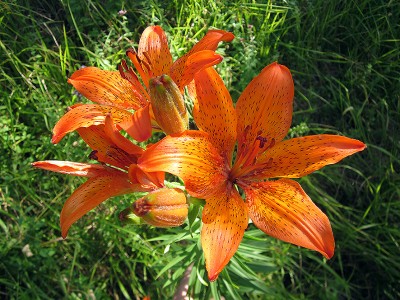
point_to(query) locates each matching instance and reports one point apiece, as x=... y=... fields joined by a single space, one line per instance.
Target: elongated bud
x=168 y=105
x=162 y=208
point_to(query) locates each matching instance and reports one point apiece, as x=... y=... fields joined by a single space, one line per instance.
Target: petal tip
x=230 y=36
x=64 y=228
x=279 y=67
x=212 y=276
x=329 y=252
x=55 y=139
x=361 y=145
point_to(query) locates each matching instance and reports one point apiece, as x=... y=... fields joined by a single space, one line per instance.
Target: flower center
x=246 y=162
x=115 y=155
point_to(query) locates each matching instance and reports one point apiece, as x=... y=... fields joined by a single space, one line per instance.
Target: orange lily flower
x=117 y=175
x=119 y=92
x=260 y=167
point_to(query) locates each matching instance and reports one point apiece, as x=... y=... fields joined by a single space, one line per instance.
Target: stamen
x=246 y=163
x=262 y=140
x=121 y=71
x=147 y=57
x=129 y=74
x=131 y=53
x=121 y=156
x=147 y=65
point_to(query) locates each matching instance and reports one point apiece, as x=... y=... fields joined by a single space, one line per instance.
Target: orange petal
x=148 y=180
x=153 y=50
x=87 y=115
x=265 y=106
x=225 y=218
x=190 y=156
x=283 y=210
x=211 y=40
x=106 y=87
x=118 y=139
x=298 y=157
x=128 y=73
x=72 y=168
x=104 y=150
x=89 y=195
x=213 y=110
x=183 y=71
x=140 y=126
x=141 y=67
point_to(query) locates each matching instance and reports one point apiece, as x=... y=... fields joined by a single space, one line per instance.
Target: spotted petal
x=283 y=210
x=73 y=168
x=140 y=126
x=225 y=218
x=107 y=87
x=209 y=42
x=298 y=157
x=118 y=139
x=190 y=156
x=91 y=194
x=213 y=110
x=183 y=73
x=87 y=115
x=265 y=106
x=104 y=149
x=153 y=50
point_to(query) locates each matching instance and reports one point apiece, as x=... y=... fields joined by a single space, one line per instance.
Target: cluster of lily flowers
x=237 y=159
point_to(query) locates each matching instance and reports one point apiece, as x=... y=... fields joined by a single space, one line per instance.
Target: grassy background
x=345 y=59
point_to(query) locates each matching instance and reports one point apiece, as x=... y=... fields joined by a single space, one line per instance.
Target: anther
x=130 y=50
x=262 y=140
x=145 y=64
x=93 y=155
x=121 y=71
x=146 y=55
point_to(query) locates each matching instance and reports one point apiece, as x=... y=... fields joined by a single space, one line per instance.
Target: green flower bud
x=168 y=105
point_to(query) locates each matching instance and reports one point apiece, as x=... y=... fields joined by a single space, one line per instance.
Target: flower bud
x=162 y=208
x=168 y=105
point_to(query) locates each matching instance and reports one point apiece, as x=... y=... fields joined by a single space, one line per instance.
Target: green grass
x=345 y=59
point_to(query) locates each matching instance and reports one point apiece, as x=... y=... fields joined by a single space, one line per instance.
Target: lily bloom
x=120 y=92
x=252 y=181
x=117 y=174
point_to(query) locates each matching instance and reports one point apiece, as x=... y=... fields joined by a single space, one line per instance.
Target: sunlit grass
x=345 y=59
